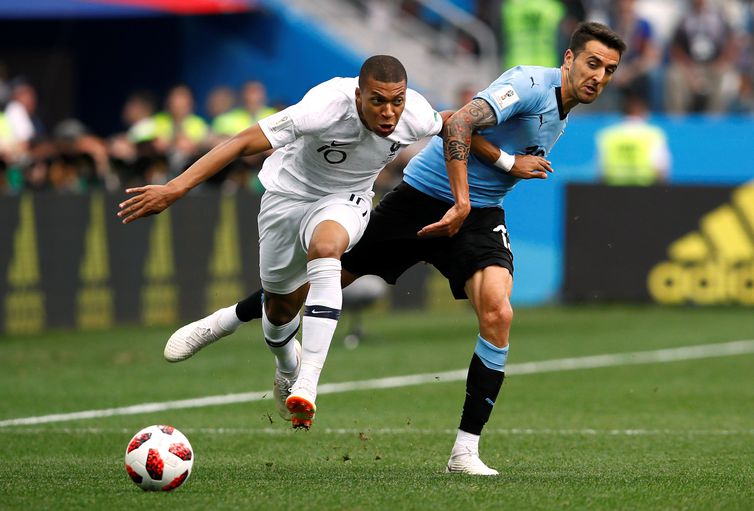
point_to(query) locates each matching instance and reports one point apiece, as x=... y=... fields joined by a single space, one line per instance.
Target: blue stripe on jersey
x=529 y=122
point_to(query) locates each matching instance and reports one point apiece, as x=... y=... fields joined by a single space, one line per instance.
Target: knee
x=499 y=317
x=325 y=248
x=495 y=323
x=279 y=312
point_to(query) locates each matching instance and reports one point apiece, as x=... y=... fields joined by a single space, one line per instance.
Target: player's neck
x=567 y=93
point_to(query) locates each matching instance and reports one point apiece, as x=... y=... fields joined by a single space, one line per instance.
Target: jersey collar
x=559 y=98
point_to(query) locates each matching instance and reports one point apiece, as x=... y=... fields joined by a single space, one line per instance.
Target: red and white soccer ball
x=159 y=458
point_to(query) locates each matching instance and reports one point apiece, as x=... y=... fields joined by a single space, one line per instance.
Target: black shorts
x=390 y=245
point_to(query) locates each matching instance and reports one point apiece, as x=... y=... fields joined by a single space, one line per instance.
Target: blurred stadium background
x=98 y=95
x=99 y=85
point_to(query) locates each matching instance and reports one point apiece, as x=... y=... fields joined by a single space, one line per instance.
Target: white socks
x=321 y=314
x=278 y=339
x=469 y=440
x=227 y=319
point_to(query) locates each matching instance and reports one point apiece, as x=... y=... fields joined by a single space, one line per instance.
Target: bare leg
x=489 y=291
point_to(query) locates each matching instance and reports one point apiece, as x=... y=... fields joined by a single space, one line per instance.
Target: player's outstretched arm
x=152 y=199
x=525 y=166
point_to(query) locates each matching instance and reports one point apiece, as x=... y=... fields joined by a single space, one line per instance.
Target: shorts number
x=504 y=233
x=357 y=200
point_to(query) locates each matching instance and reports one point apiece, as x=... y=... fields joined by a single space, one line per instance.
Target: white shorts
x=285 y=229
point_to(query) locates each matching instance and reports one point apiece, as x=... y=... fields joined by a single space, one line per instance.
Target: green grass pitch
x=660 y=435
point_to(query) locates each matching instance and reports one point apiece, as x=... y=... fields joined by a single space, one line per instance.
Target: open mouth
x=385 y=128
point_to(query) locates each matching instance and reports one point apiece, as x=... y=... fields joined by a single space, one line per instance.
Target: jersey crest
x=505 y=97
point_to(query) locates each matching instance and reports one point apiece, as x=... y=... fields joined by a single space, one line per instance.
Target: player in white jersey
x=330 y=148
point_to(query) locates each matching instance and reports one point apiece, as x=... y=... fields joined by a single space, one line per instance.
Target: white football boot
x=189 y=339
x=281 y=385
x=300 y=403
x=464 y=460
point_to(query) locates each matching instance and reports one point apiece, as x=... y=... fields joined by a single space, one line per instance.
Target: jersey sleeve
x=435 y=125
x=510 y=95
x=317 y=110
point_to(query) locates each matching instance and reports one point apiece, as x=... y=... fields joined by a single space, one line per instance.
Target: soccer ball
x=159 y=458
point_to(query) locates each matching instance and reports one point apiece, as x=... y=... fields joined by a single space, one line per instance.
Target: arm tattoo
x=457 y=151
x=482 y=114
x=473 y=116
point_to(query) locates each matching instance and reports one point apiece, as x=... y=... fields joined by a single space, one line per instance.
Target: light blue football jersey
x=530 y=119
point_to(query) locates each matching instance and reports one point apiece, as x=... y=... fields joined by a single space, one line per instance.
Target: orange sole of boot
x=302 y=412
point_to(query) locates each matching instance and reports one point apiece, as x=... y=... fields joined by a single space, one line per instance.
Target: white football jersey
x=324 y=148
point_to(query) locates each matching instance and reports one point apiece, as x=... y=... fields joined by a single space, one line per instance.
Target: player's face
x=589 y=72
x=380 y=105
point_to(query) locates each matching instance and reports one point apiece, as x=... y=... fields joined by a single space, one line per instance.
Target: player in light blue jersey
x=523 y=113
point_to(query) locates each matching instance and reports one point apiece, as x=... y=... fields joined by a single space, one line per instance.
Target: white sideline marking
x=34 y=430
x=543 y=366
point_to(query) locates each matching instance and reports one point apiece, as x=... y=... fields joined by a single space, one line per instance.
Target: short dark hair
x=383 y=68
x=590 y=31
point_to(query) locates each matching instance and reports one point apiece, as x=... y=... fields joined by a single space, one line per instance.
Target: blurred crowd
x=158 y=141
x=685 y=56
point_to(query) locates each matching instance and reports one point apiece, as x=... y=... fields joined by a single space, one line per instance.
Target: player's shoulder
x=415 y=99
x=334 y=97
x=529 y=86
x=334 y=90
x=419 y=117
x=417 y=106
x=532 y=80
x=341 y=85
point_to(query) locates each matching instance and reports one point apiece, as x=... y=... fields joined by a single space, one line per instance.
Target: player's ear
x=568 y=58
x=358 y=94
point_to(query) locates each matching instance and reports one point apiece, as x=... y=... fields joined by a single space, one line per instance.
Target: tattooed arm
x=475 y=115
